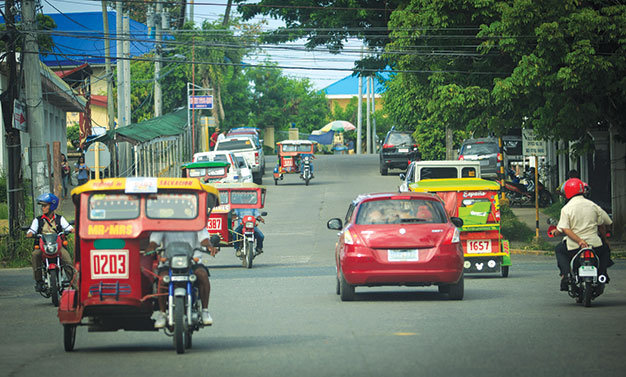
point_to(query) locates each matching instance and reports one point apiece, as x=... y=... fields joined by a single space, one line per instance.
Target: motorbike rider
x=48 y=222
x=196 y=240
x=581 y=221
x=258 y=235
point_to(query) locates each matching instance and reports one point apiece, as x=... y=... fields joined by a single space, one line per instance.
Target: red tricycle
x=295 y=156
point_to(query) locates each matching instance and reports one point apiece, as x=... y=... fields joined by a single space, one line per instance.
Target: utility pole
x=34 y=102
x=157 y=63
x=14 y=195
x=126 y=55
x=359 y=118
x=109 y=76
x=368 y=138
x=121 y=121
x=374 y=146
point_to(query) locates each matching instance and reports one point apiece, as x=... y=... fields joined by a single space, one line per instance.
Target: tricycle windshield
x=193 y=173
x=216 y=172
x=113 y=207
x=297 y=148
x=244 y=197
x=172 y=206
x=224 y=197
x=400 y=211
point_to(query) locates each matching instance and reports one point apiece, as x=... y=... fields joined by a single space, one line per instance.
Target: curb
x=530 y=252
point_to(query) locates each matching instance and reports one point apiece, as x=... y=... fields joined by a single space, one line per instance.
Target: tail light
x=64 y=243
x=387 y=146
x=588 y=254
x=499 y=157
x=256 y=158
x=454 y=236
x=351 y=238
x=461 y=158
x=414 y=145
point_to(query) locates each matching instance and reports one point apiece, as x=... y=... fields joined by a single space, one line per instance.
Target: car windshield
x=400 y=211
x=438 y=172
x=233 y=145
x=479 y=149
x=196 y=173
x=243 y=197
x=220 y=157
x=399 y=139
x=113 y=207
x=172 y=206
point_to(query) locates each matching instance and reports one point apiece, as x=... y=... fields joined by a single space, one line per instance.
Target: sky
x=327 y=68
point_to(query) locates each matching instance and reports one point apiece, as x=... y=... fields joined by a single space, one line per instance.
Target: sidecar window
x=243 y=197
x=113 y=207
x=172 y=206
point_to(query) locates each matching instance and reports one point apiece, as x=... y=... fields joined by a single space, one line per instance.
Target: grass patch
x=4 y=211
x=511 y=228
x=554 y=211
x=17 y=252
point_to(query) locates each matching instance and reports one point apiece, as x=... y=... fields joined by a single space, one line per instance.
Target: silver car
x=486 y=151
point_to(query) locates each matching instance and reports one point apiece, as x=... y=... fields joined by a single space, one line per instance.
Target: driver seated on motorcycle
x=300 y=161
x=48 y=222
x=581 y=221
x=197 y=240
x=258 y=235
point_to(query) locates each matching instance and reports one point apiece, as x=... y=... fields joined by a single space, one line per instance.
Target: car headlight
x=180 y=261
x=249 y=224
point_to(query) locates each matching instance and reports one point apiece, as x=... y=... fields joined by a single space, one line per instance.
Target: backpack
x=57 y=221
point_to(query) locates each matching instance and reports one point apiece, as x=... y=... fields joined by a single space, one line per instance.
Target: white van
x=419 y=170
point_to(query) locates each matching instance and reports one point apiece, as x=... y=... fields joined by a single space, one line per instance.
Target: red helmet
x=573 y=187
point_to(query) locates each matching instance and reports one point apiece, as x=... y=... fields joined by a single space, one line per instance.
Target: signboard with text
x=200 y=102
x=19 y=119
x=531 y=146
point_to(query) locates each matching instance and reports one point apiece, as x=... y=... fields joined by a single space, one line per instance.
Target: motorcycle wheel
x=587 y=294
x=69 y=337
x=179 y=324
x=275 y=182
x=54 y=287
x=545 y=199
x=306 y=181
x=505 y=271
x=249 y=253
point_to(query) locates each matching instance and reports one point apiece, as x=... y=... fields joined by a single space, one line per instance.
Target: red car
x=398 y=239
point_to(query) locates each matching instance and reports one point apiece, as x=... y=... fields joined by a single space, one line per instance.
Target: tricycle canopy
x=209 y=171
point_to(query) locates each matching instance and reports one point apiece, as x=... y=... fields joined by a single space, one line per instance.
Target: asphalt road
x=282 y=317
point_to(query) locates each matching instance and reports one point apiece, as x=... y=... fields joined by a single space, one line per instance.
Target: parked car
x=419 y=170
x=486 y=151
x=398 y=150
x=234 y=173
x=250 y=148
x=398 y=239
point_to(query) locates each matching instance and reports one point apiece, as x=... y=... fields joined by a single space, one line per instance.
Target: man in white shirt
x=582 y=221
x=196 y=240
x=221 y=136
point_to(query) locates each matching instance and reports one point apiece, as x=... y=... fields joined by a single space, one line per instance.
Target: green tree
x=44 y=23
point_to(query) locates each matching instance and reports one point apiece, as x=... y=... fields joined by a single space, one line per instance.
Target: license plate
x=180 y=278
x=400 y=255
x=478 y=246
x=403 y=150
x=109 y=264
x=587 y=271
x=288 y=162
x=214 y=224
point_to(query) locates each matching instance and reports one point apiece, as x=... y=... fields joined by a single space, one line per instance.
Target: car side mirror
x=263 y=213
x=402 y=176
x=457 y=221
x=334 y=224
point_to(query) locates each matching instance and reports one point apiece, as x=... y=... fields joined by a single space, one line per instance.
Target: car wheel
x=383 y=169
x=346 y=291
x=337 y=287
x=456 y=290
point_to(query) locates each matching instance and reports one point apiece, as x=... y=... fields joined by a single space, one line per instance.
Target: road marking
x=294 y=259
x=404 y=333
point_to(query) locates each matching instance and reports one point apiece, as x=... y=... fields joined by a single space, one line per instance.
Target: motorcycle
x=183 y=303
x=56 y=277
x=584 y=284
x=520 y=194
x=248 y=242
x=305 y=169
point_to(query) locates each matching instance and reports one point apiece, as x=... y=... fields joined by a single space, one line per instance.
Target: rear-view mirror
x=457 y=221
x=402 y=176
x=334 y=223
x=263 y=213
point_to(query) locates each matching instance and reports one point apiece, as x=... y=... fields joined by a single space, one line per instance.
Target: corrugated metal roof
x=349 y=86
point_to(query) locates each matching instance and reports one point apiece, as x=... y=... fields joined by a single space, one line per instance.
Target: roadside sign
x=531 y=146
x=104 y=157
x=19 y=118
x=200 y=102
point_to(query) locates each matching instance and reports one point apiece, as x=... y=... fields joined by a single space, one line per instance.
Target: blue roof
x=84 y=39
x=349 y=85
